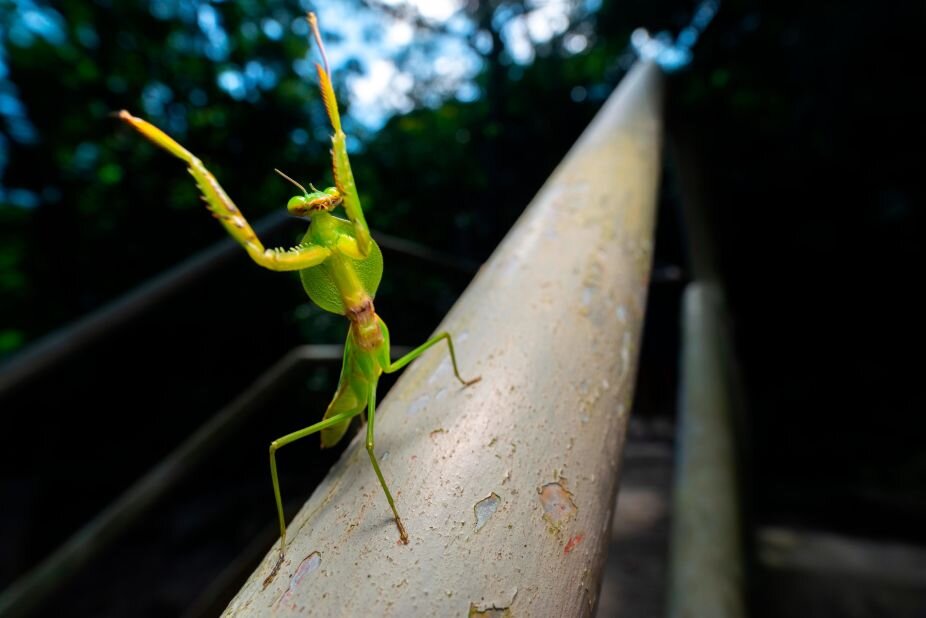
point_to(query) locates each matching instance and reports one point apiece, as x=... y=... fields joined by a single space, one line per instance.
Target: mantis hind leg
x=341 y=417
x=371 y=420
x=422 y=348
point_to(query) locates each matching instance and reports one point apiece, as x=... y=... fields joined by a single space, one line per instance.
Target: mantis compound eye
x=298 y=206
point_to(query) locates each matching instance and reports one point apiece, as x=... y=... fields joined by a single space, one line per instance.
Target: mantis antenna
x=291 y=180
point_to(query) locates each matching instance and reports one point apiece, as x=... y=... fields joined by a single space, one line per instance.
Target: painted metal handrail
x=706 y=572
x=507 y=486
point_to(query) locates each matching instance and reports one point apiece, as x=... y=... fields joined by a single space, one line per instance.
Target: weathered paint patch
x=497 y=609
x=558 y=505
x=311 y=562
x=485 y=509
x=417 y=405
x=489 y=612
x=442 y=370
x=621 y=314
x=307 y=566
x=573 y=542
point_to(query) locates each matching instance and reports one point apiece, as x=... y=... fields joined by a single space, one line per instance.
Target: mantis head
x=310 y=203
x=316 y=201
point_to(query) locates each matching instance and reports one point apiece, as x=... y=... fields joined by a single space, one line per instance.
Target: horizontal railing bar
x=63 y=343
x=59 y=345
x=707 y=566
x=31 y=589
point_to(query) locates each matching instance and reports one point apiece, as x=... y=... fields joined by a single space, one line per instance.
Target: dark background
x=799 y=122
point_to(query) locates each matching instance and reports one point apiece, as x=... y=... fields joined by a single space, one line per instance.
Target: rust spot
x=356 y=522
x=485 y=508
x=274 y=570
x=572 y=543
x=558 y=506
x=490 y=612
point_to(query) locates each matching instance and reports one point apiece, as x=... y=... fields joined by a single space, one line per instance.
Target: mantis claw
x=403 y=535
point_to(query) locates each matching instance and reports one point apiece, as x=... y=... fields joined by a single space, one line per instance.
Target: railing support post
x=506 y=487
x=706 y=572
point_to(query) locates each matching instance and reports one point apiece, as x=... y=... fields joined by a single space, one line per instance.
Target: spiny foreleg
x=223 y=209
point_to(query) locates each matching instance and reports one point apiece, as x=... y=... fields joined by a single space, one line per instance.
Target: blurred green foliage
x=105 y=210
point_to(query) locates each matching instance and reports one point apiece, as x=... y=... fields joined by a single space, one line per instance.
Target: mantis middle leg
x=371 y=420
x=395 y=366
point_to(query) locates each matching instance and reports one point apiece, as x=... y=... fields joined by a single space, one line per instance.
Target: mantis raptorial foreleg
x=371 y=420
x=340 y=163
x=222 y=207
x=398 y=364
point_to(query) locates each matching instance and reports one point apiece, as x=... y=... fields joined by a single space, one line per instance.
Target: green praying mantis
x=340 y=266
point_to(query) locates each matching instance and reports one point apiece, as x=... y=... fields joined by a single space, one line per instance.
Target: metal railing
x=506 y=487
x=706 y=575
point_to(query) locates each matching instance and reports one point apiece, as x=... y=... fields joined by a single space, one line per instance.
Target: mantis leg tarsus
x=422 y=348
x=471 y=382
x=371 y=444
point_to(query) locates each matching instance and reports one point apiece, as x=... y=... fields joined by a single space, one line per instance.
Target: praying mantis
x=340 y=266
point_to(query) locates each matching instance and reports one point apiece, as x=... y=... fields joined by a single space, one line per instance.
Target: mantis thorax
x=324 y=228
